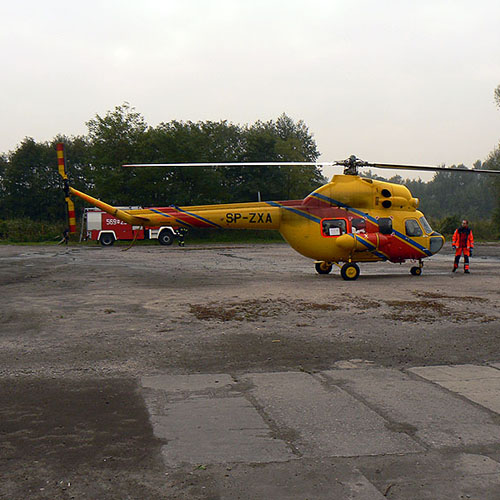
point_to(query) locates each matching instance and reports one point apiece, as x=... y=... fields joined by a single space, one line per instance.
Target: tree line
x=30 y=187
x=452 y=196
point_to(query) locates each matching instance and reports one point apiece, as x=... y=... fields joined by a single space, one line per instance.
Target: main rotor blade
x=237 y=164
x=395 y=166
x=354 y=162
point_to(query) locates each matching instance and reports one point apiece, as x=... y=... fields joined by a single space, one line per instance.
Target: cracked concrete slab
x=297 y=479
x=434 y=416
x=434 y=475
x=326 y=421
x=480 y=384
x=217 y=430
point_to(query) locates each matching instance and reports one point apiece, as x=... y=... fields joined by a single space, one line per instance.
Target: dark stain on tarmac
x=89 y=431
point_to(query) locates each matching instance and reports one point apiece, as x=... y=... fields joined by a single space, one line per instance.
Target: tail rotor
x=61 y=164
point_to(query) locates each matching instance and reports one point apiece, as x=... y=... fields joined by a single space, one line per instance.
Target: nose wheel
x=417 y=270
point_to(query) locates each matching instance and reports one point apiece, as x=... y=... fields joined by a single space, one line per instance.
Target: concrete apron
x=352 y=432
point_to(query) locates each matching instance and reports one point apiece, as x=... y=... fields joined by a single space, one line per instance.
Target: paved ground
x=228 y=372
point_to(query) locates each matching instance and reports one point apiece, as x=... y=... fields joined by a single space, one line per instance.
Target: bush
x=27 y=230
x=447 y=225
x=483 y=229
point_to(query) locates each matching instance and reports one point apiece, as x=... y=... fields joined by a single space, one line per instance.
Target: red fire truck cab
x=106 y=229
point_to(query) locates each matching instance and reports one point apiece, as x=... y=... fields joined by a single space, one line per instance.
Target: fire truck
x=106 y=229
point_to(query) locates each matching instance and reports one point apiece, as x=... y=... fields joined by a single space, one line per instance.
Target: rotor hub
x=351 y=165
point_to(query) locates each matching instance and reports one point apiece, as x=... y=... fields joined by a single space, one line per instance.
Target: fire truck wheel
x=106 y=239
x=166 y=237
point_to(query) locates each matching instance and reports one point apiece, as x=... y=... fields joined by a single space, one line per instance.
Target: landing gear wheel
x=416 y=271
x=106 y=239
x=349 y=272
x=166 y=237
x=323 y=267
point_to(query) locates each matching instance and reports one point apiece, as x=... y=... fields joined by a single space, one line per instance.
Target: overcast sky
x=388 y=81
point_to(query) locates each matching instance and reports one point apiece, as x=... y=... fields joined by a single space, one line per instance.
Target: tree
x=280 y=140
x=115 y=139
x=177 y=142
x=3 y=168
x=31 y=184
x=493 y=163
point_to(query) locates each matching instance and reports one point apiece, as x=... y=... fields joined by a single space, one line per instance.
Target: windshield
x=427 y=227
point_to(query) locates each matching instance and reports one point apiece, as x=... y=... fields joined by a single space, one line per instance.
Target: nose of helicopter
x=436 y=242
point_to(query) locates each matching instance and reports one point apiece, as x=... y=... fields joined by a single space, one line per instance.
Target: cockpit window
x=427 y=227
x=413 y=228
x=333 y=227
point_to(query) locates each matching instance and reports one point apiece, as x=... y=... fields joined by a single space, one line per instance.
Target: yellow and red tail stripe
x=61 y=162
x=71 y=215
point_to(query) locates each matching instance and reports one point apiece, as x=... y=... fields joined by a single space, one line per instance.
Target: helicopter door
x=333 y=227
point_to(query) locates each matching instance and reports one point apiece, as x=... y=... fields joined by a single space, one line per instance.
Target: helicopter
x=349 y=220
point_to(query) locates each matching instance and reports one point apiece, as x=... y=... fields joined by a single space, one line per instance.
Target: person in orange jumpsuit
x=463 y=242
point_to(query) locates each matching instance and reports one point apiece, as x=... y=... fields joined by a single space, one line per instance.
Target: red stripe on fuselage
x=189 y=220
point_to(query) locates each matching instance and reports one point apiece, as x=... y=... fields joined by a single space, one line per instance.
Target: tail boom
x=116 y=212
x=259 y=215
